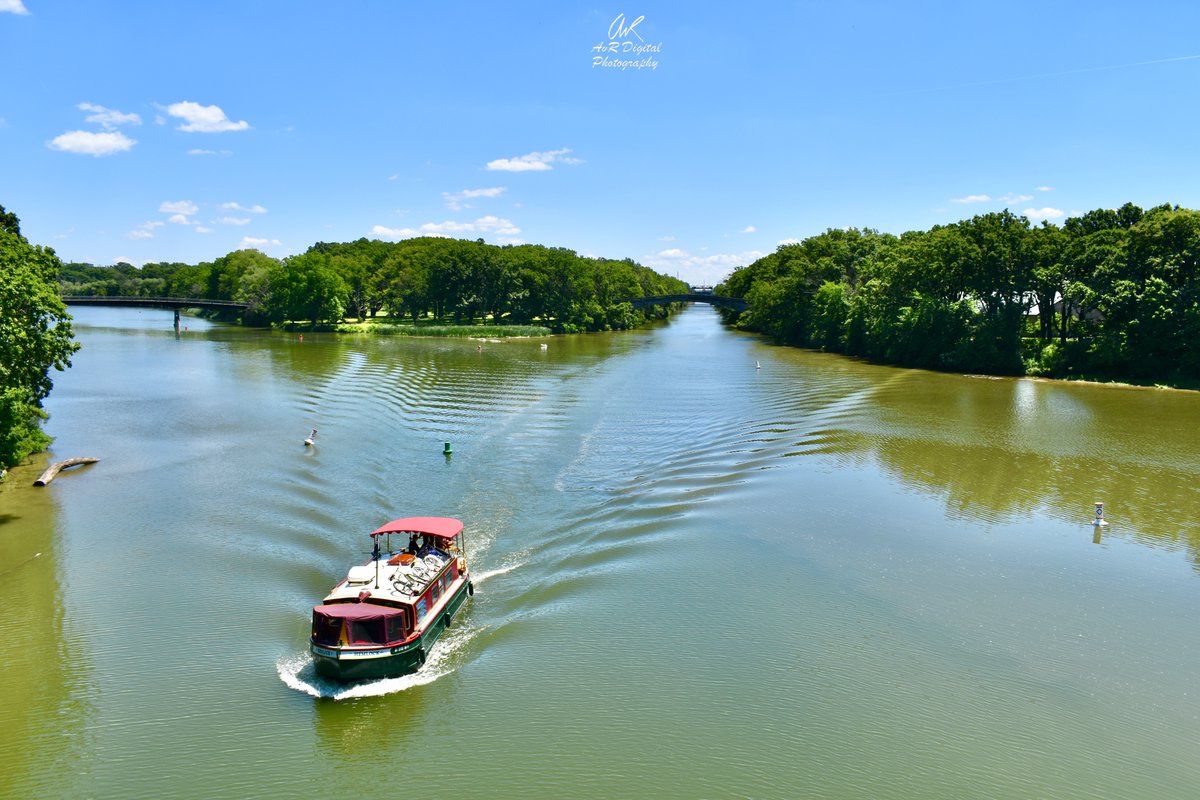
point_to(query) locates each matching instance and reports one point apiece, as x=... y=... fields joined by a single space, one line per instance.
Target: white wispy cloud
x=704 y=269
x=179 y=219
x=533 y=162
x=249 y=242
x=1008 y=198
x=1045 y=188
x=254 y=209
x=454 y=200
x=97 y=144
x=204 y=119
x=784 y=242
x=185 y=207
x=496 y=226
x=202 y=229
x=199 y=151
x=108 y=118
x=233 y=221
x=145 y=230
x=13 y=7
x=1038 y=214
x=91 y=143
x=748 y=229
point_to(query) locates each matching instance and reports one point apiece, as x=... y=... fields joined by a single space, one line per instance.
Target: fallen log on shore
x=58 y=466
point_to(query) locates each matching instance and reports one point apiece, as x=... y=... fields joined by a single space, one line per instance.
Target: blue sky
x=180 y=131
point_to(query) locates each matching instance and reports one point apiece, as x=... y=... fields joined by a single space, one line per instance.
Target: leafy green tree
x=250 y=281
x=189 y=281
x=306 y=287
x=570 y=292
x=35 y=337
x=528 y=297
x=403 y=282
x=227 y=274
x=1047 y=246
x=353 y=269
x=830 y=311
x=1148 y=296
x=358 y=263
x=493 y=282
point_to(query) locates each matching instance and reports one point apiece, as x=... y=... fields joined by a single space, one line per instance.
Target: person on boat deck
x=413 y=545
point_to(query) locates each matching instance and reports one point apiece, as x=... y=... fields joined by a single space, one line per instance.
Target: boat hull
x=346 y=664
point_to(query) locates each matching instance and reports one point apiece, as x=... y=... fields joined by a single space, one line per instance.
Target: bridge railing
x=736 y=303
x=159 y=302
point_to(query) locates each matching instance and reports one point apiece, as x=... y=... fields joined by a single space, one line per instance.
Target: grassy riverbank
x=398 y=326
x=392 y=327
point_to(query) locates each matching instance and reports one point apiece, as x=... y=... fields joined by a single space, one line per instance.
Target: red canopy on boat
x=445 y=527
x=356 y=611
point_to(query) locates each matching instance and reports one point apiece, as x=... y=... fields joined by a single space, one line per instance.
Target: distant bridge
x=735 y=303
x=174 y=303
x=153 y=302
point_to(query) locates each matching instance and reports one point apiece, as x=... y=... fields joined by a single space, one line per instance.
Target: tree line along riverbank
x=35 y=337
x=1111 y=294
x=424 y=280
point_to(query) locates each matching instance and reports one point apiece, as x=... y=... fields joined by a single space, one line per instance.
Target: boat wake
x=298 y=672
x=480 y=577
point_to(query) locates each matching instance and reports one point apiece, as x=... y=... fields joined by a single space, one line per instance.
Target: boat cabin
x=346 y=624
x=387 y=600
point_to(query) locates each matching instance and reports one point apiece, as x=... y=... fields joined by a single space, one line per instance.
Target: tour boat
x=381 y=621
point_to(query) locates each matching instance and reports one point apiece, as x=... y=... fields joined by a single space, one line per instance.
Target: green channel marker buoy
x=446 y=450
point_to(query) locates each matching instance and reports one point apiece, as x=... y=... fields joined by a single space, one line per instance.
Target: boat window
x=421 y=609
x=396 y=629
x=367 y=631
x=326 y=630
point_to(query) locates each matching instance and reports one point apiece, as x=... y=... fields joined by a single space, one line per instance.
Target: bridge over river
x=175 y=303
x=694 y=296
x=153 y=302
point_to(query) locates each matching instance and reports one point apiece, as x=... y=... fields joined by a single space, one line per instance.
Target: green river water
x=706 y=568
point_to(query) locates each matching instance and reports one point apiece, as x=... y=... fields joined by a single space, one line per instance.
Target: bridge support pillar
x=177 y=320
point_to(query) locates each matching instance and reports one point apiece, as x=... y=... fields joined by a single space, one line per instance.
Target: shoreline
x=441 y=331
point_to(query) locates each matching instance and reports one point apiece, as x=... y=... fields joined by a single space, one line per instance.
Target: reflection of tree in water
x=999 y=450
x=45 y=707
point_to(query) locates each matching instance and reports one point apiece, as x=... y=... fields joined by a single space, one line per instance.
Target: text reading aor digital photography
x=625 y=49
